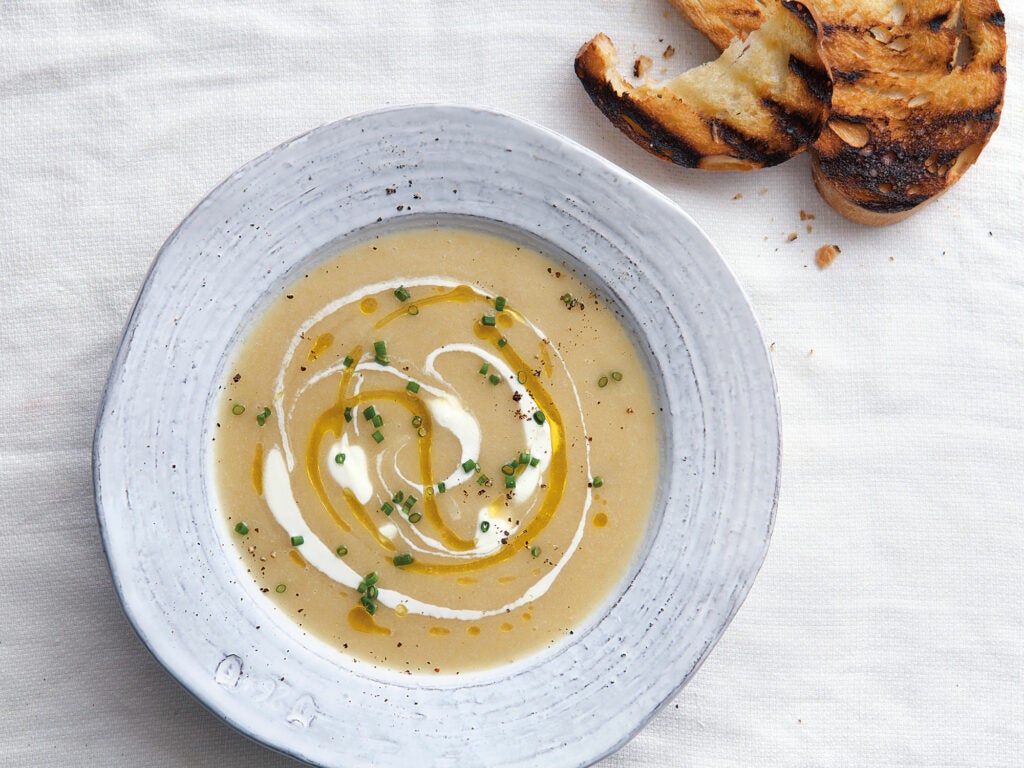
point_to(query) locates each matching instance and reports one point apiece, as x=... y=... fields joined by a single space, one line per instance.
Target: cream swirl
x=374 y=473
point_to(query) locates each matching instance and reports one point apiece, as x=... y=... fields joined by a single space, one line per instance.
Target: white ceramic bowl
x=204 y=619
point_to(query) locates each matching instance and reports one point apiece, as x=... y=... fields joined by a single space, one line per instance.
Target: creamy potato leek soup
x=437 y=451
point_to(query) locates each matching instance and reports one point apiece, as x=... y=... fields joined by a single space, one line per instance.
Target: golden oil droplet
x=600 y=520
x=257 y=469
x=505 y=320
x=506 y=579
x=439 y=631
x=401 y=610
x=506 y=627
x=298 y=559
x=473 y=631
x=368 y=305
x=527 y=617
x=465 y=581
x=361 y=621
x=322 y=344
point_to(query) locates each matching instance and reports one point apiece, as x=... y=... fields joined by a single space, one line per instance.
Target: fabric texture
x=885 y=627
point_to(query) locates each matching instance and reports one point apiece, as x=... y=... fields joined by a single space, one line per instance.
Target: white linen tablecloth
x=886 y=626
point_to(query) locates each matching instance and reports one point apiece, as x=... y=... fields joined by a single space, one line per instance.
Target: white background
x=885 y=627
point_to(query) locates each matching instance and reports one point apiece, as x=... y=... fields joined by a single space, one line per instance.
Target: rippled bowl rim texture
x=177 y=576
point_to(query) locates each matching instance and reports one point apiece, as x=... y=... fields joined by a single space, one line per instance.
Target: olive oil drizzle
x=332 y=421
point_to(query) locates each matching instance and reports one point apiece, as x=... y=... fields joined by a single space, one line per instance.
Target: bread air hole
x=963 y=54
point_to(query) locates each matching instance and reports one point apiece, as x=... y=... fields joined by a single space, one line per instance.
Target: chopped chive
x=341 y=551
x=485 y=526
x=535 y=551
x=403 y=559
x=386 y=508
x=468 y=465
x=510 y=481
x=597 y=482
x=602 y=382
x=369 y=413
x=483 y=480
x=524 y=458
x=417 y=421
x=238 y=409
x=539 y=417
x=534 y=461
x=371 y=578
x=415 y=517
x=261 y=418
x=413 y=387
x=380 y=360
x=347 y=362
x=378 y=436
x=280 y=588
x=241 y=529
x=409 y=503
x=348 y=414
x=380 y=349
x=339 y=458
x=617 y=376
x=422 y=431
x=488 y=320
x=483 y=368
x=494 y=379
x=499 y=303
x=372 y=592
x=502 y=341
x=440 y=488
x=397 y=498
x=369 y=605
x=521 y=377
x=378 y=420
x=298 y=541
x=401 y=294
x=508 y=469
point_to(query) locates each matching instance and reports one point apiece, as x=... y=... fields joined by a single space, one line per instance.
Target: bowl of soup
x=435 y=436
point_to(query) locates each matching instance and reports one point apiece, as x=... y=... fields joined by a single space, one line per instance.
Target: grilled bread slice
x=918 y=92
x=763 y=101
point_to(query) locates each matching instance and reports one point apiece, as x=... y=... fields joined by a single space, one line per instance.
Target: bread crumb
x=772 y=346
x=809 y=229
x=738 y=196
x=669 y=52
x=764 y=190
x=805 y=216
x=641 y=66
x=792 y=236
x=826 y=255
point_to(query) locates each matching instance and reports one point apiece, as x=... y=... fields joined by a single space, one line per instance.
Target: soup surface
x=437 y=451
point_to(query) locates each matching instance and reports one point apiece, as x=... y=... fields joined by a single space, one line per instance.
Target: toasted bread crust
x=722 y=21
x=911 y=108
x=691 y=121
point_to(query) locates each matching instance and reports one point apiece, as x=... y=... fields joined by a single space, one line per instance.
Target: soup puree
x=437 y=451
